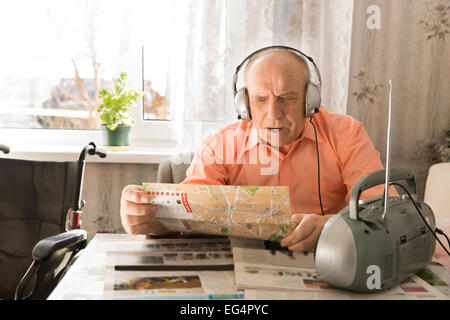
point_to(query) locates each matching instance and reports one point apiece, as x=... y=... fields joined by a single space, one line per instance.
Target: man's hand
x=137 y=214
x=306 y=232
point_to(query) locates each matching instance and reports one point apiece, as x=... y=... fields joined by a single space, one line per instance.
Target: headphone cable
x=318 y=165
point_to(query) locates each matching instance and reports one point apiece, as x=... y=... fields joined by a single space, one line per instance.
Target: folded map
x=260 y=212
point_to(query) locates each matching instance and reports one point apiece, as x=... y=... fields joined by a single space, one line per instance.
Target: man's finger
x=135 y=219
x=135 y=194
x=307 y=244
x=137 y=209
x=301 y=232
x=143 y=228
x=296 y=219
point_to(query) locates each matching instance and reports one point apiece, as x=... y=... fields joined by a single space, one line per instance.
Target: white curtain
x=211 y=37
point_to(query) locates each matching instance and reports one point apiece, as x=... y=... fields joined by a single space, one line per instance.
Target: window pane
x=56 y=55
x=154 y=73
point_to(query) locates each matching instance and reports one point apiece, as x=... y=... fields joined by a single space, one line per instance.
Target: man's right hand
x=137 y=214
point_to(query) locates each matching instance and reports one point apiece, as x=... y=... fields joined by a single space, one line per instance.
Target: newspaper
x=413 y=288
x=266 y=265
x=170 y=269
x=267 y=271
x=437 y=275
x=261 y=212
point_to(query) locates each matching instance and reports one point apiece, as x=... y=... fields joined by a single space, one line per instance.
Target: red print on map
x=185 y=202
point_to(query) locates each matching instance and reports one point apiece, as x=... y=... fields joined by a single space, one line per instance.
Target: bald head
x=279 y=55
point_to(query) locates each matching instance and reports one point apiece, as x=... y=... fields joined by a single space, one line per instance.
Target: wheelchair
x=40 y=210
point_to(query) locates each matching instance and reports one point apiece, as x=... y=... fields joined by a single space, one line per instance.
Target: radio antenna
x=388 y=153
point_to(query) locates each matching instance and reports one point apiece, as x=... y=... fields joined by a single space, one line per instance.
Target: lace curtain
x=210 y=38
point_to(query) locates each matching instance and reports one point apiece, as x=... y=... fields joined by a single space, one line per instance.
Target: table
x=85 y=280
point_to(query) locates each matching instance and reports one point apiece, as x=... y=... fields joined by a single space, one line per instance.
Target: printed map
x=262 y=212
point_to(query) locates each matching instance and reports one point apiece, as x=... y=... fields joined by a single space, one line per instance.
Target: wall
x=411 y=48
x=102 y=187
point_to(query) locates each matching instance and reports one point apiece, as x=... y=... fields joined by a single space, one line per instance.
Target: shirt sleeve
x=359 y=157
x=206 y=168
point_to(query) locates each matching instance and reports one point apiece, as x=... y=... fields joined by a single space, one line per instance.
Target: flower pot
x=117 y=139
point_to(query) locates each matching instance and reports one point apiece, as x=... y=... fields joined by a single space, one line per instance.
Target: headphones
x=312 y=96
x=312 y=99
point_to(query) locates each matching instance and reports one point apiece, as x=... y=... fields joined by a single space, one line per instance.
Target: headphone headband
x=238 y=68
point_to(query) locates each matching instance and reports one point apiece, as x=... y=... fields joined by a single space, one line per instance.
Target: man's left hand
x=306 y=232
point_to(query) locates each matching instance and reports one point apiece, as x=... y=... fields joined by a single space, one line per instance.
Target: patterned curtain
x=410 y=47
x=212 y=37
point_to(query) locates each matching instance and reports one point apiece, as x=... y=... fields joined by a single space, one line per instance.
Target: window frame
x=145 y=133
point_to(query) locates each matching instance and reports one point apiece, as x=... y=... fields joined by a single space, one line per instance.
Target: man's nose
x=274 y=109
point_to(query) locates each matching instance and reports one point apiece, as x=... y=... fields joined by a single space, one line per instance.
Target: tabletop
x=88 y=278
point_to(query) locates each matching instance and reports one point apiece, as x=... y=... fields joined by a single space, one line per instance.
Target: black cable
x=318 y=166
x=420 y=213
x=439 y=231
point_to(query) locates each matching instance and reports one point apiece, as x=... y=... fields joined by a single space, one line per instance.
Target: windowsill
x=143 y=155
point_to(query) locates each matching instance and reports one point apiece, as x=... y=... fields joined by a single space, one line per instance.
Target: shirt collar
x=252 y=138
x=308 y=131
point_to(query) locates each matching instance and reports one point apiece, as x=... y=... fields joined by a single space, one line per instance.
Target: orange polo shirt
x=236 y=156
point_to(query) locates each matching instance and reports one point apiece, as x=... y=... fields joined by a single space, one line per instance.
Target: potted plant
x=116 y=122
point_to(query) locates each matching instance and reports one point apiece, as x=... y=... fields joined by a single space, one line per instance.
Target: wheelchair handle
x=90 y=149
x=97 y=151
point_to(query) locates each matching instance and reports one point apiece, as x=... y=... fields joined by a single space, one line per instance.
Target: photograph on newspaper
x=171 y=285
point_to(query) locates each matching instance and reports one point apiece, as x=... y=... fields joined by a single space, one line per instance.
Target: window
x=56 y=55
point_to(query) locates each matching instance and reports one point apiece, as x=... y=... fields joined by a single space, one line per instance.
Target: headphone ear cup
x=312 y=99
x=242 y=105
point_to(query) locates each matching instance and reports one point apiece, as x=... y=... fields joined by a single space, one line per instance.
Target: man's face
x=276 y=86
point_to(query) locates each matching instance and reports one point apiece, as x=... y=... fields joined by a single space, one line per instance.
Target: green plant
x=116 y=103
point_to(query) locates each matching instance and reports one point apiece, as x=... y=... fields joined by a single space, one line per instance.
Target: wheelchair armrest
x=46 y=247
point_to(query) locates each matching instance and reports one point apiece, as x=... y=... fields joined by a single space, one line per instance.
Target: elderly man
x=276 y=81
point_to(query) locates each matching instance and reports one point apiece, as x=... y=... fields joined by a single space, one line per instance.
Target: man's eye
x=259 y=99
